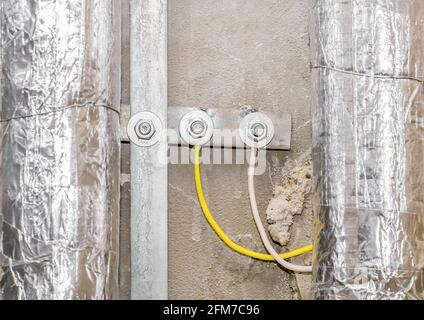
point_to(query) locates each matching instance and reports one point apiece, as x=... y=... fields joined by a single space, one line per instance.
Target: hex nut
x=258 y=131
x=197 y=128
x=145 y=129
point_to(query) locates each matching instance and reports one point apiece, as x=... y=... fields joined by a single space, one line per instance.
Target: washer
x=196 y=128
x=257 y=130
x=145 y=129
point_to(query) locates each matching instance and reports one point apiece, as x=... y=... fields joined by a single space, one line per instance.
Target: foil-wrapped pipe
x=368 y=149
x=59 y=149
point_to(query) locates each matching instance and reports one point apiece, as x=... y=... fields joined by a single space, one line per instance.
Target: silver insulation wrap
x=368 y=149
x=59 y=149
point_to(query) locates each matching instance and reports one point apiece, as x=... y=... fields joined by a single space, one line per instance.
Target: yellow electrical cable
x=222 y=235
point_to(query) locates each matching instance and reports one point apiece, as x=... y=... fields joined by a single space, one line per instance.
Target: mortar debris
x=291 y=199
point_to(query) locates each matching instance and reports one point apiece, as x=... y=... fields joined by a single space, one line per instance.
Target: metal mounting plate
x=226 y=121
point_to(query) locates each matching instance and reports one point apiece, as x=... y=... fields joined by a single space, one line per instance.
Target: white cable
x=260 y=226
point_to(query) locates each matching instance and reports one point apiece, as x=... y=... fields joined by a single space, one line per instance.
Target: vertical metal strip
x=149 y=179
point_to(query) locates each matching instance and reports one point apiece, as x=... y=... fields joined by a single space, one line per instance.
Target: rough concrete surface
x=227 y=54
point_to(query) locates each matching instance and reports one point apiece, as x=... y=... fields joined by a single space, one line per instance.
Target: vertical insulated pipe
x=368 y=149
x=149 y=168
x=59 y=149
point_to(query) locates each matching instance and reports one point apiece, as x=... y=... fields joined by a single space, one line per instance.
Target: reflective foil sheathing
x=368 y=148
x=59 y=149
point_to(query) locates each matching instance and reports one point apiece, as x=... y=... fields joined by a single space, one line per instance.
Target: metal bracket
x=227 y=123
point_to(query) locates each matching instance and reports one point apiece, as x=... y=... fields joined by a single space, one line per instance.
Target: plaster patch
x=292 y=198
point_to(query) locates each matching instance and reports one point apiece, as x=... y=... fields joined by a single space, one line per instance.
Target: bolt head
x=197 y=128
x=145 y=129
x=258 y=131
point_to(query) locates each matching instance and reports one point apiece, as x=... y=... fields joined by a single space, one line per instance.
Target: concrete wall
x=227 y=54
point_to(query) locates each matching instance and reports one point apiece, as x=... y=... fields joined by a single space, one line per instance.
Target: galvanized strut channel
x=149 y=175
